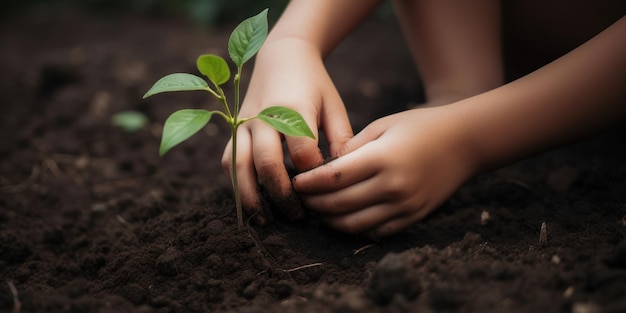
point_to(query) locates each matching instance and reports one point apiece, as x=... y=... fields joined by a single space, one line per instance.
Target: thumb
x=368 y=134
x=337 y=128
x=304 y=153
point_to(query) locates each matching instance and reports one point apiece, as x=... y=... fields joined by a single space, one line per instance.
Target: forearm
x=320 y=23
x=576 y=95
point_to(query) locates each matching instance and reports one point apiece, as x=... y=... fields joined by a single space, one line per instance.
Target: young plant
x=245 y=41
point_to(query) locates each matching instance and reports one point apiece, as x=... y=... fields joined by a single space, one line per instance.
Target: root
x=303 y=267
x=361 y=249
x=17 y=305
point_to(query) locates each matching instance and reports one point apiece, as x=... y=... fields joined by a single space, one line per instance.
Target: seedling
x=245 y=41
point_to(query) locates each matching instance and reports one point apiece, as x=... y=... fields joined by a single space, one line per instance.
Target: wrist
x=290 y=45
x=450 y=138
x=460 y=134
x=492 y=132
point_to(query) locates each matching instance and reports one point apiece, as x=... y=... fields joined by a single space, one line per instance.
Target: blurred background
x=202 y=12
x=72 y=65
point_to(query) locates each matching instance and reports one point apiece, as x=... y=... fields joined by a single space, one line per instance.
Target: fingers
x=260 y=161
x=363 y=194
x=271 y=172
x=375 y=207
x=339 y=173
x=336 y=125
x=361 y=221
x=377 y=221
x=246 y=176
x=303 y=151
x=368 y=134
x=396 y=225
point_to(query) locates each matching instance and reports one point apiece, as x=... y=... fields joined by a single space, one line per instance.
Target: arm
x=401 y=167
x=578 y=94
x=321 y=23
x=289 y=71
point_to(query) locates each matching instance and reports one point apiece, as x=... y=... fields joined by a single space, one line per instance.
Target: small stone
x=580 y=307
x=484 y=218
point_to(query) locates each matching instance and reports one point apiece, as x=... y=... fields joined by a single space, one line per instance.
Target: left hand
x=392 y=174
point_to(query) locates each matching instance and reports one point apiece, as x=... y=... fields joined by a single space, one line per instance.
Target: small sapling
x=245 y=41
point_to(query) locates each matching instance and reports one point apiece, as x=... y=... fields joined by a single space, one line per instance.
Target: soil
x=92 y=220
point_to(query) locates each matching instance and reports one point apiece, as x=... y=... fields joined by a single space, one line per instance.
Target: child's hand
x=390 y=175
x=289 y=73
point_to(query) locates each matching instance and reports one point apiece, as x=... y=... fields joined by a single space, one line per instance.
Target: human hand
x=390 y=175
x=288 y=72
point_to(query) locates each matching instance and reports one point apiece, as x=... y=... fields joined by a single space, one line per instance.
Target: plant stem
x=222 y=98
x=233 y=176
x=233 y=158
x=236 y=81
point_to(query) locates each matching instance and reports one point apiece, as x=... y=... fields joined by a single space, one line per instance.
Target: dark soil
x=92 y=220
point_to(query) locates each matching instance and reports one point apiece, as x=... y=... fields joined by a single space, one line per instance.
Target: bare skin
x=289 y=71
x=483 y=127
x=569 y=98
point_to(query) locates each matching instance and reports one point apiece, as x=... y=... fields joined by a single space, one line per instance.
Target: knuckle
x=265 y=165
x=300 y=154
x=397 y=188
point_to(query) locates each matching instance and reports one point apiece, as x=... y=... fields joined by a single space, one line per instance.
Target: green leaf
x=181 y=125
x=177 y=82
x=214 y=67
x=247 y=38
x=286 y=121
x=130 y=121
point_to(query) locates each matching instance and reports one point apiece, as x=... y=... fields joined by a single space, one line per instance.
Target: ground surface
x=92 y=220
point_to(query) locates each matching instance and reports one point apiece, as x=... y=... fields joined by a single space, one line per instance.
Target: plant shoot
x=245 y=41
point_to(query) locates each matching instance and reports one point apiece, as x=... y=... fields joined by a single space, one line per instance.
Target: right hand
x=392 y=174
x=288 y=72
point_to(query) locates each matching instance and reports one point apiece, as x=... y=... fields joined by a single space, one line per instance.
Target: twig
x=303 y=267
x=361 y=249
x=53 y=167
x=543 y=234
x=250 y=219
x=484 y=218
x=121 y=220
x=17 y=305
